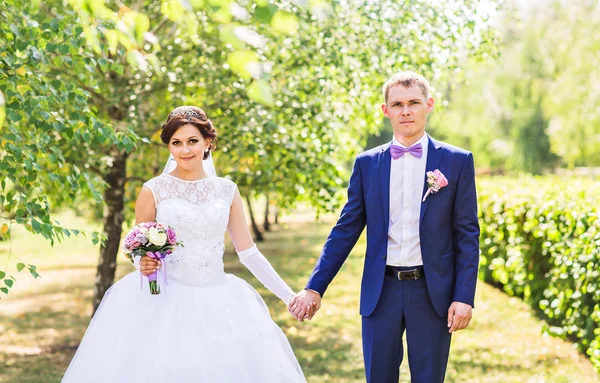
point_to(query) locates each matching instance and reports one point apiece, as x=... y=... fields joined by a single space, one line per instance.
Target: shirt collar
x=424 y=141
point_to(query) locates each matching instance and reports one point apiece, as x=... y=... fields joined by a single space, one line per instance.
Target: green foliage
x=291 y=90
x=535 y=107
x=540 y=241
x=50 y=128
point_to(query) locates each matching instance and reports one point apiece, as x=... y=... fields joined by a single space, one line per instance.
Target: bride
x=205 y=325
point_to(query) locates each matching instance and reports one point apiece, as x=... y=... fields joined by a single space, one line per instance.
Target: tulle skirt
x=208 y=334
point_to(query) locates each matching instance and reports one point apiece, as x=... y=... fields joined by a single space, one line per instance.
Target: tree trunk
x=276 y=220
x=266 y=223
x=258 y=237
x=113 y=225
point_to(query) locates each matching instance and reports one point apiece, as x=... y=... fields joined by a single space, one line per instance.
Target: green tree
x=50 y=126
x=290 y=89
x=535 y=107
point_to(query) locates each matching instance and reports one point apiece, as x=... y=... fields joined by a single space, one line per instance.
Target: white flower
x=156 y=237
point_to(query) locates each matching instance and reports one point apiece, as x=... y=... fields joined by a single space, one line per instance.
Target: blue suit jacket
x=449 y=229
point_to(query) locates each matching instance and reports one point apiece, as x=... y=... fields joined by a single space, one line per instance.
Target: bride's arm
x=145 y=211
x=249 y=254
x=145 y=207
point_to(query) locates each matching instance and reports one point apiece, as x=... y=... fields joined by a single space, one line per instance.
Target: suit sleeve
x=343 y=236
x=465 y=227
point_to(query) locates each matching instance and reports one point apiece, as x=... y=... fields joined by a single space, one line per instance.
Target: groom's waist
x=405 y=273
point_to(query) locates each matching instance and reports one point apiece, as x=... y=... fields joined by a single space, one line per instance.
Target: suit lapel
x=384 y=165
x=434 y=156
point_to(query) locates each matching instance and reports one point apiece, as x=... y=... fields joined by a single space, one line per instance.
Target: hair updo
x=189 y=115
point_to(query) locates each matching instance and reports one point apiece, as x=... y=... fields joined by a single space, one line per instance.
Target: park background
x=293 y=88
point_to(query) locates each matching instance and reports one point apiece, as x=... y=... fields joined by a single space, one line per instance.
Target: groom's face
x=407 y=109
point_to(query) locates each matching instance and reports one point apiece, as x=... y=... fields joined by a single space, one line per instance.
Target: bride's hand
x=149 y=265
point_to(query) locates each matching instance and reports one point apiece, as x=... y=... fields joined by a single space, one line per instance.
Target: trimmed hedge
x=540 y=241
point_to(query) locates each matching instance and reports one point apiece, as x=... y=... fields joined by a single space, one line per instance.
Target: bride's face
x=187 y=147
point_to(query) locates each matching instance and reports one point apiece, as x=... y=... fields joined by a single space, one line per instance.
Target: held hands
x=304 y=305
x=459 y=316
x=149 y=265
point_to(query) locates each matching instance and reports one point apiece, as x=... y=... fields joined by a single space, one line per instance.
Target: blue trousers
x=405 y=305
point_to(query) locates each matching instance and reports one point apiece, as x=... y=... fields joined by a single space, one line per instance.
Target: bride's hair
x=189 y=115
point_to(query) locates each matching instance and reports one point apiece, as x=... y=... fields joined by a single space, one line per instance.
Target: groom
x=422 y=252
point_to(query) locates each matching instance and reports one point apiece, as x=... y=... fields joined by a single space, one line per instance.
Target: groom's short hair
x=407 y=79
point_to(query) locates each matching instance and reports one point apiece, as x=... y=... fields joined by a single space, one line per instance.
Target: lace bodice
x=199 y=213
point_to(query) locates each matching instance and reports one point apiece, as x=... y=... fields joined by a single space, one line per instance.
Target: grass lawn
x=42 y=321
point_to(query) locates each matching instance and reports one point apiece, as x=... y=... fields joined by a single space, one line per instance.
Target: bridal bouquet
x=154 y=240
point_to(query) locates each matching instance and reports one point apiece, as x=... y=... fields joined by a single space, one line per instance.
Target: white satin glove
x=260 y=267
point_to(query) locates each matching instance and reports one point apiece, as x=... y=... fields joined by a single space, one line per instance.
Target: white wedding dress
x=205 y=326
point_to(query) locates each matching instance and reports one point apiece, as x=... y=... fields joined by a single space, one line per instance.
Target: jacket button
x=384 y=255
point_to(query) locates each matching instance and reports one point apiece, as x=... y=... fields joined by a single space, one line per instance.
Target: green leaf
x=103 y=64
x=265 y=14
x=2 y=110
x=112 y=37
x=36 y=226
x=285 y=23
x=33 y=271
x=20 y=266
x=197 y=4
x=119 y=69
x=2 y=274
x=136 y=59
x=223 y=15
x=227 y=35
x=241 y=63
x=260 y=91
x=22 y=89
x=142 y=25
x=9 y=282
x=173 y=9
x=4 y=290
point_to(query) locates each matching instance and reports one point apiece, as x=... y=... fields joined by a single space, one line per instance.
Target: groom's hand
x=459 y=316
x=305 y=304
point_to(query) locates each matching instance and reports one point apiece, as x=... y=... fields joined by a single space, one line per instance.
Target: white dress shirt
x=407 y=177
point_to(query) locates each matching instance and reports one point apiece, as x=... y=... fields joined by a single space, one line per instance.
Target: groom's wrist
x=314 y=291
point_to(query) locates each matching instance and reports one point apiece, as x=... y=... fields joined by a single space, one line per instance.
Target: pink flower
x=441 y=179
x=435 y=181
x=133 y=233
x=171 y=236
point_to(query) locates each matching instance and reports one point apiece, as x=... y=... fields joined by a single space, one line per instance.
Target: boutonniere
x=435 y=180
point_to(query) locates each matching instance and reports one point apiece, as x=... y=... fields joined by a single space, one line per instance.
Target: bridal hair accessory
x=436 y=181
x=187 y=111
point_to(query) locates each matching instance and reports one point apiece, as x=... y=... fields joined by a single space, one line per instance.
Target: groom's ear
x=430 y=102
x=384 y=108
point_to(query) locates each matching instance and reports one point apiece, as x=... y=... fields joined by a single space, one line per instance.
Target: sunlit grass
x=43 y=320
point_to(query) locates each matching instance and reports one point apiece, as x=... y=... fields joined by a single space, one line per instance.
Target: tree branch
x=160 y=25
x=99 y=97
x=138 y=179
